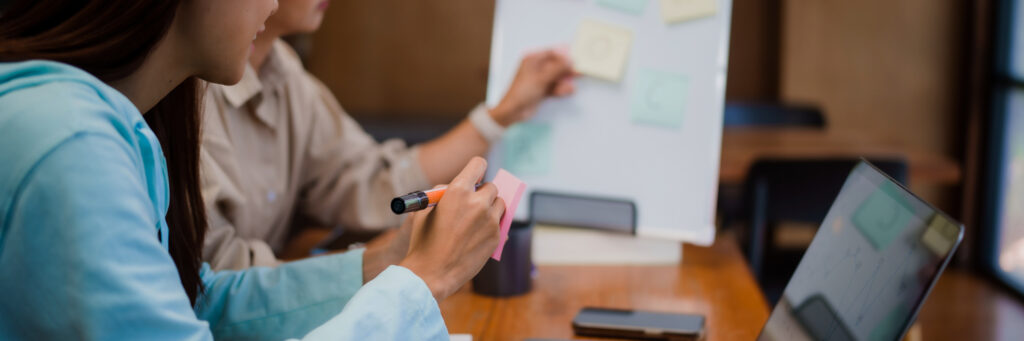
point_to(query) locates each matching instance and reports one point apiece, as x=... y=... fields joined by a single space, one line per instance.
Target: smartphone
x=638 y=324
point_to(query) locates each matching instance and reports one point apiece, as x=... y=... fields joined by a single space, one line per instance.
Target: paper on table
x=628 y=6
x=527 y=148
x=659 y=98
x=460 y=337
x=674 y=11
x=553 y=245
x=510 y=189
x=600 y=50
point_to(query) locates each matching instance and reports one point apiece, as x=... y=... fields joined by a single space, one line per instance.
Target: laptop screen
x=870 y=266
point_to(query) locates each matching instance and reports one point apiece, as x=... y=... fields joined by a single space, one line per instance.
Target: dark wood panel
x=391 y=58
x=754 y=51
x=890 y=72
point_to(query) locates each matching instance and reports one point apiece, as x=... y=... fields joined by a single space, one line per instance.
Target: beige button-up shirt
x=277 y=146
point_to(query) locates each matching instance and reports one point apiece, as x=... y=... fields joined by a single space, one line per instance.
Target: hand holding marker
x=418 y=200
x=510 y=189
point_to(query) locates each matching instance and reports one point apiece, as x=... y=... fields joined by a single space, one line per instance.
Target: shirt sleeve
x=351 y=178
x=396 y=305
x=224 y=248
x=288 y=301
x=322 y=293
x=78 y=268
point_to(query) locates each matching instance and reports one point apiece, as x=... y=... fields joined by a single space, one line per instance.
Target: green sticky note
x=674 y=11
x=659 y=98
x=628 y=6
x=890 y=327
x=527 y=148
x=883 y=216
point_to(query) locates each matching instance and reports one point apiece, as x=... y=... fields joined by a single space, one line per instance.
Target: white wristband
x=481 y=119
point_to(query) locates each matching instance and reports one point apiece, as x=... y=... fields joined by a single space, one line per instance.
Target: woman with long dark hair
x=101 y=219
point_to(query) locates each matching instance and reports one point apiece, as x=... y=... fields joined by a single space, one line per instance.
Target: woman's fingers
x=419 y=218
x=488 y=191
x=497 y=209
x=556 y=67
x=470 y=175
x=566 y=86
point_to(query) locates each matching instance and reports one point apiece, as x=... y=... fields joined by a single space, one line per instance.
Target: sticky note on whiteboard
x=601 y=50
x=510 y=189
x=527 y=148
x=628 y=6
x=673 y=11
x=658 y=98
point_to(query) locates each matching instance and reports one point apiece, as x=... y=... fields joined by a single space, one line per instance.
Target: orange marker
x=418 y=200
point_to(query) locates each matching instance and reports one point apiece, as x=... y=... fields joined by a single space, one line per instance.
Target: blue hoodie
x=83 y=239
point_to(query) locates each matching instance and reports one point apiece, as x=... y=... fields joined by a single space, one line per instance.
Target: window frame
x=1004 y=83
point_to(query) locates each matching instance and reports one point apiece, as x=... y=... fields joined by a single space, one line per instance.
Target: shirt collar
x=250 y=85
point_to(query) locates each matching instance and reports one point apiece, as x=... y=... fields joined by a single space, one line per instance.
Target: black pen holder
x=513 y=275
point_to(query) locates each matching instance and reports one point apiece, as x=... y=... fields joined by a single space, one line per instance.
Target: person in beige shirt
x=278 y=146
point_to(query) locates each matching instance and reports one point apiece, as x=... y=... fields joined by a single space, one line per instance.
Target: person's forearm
x=374 y=262
x=387 y=249
x=442 y=158
x=541 y=74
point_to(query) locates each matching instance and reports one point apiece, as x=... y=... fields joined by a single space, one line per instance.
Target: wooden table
x=741 y=147
x=715 y=282
x=712 y=281
x=966 y=306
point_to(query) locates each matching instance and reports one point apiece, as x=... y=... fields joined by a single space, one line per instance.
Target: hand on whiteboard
x=541 y=74
x=451 y=242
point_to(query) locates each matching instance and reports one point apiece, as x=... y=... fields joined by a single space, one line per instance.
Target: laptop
x=870 y=267
x=868 y=270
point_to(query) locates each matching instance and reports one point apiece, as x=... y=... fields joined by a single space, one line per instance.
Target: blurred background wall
x=885 y=74
x=888 y=72
x=405 y=59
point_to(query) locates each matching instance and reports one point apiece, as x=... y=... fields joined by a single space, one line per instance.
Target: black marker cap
x=414 y=201
x=398 y=205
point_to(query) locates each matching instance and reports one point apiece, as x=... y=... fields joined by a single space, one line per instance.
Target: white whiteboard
x=594 y=146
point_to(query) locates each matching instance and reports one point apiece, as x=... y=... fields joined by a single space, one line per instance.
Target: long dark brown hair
x=110 y=39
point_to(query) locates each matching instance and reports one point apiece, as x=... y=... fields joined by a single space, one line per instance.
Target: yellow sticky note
x=601 y=50
x=674 y=11
x=940 y=236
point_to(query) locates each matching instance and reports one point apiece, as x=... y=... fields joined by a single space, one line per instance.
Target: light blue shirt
x=83 y=240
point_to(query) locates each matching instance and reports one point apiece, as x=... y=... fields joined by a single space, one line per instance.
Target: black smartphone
x=638 y=324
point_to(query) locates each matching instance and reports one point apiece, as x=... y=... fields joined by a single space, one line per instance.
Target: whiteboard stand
x=605 y=214
x=602 y=142
x=576 y=229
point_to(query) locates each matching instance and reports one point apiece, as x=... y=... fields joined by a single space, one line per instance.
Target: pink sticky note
x=510 y=189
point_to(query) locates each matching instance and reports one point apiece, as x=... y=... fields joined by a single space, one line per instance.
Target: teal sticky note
x=883 y=216
x=659 y=98
x=628 y=6
x=526 y=148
